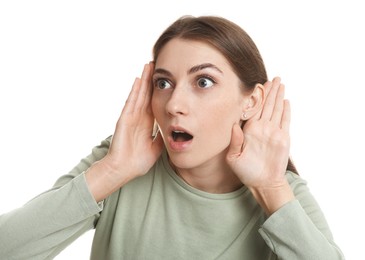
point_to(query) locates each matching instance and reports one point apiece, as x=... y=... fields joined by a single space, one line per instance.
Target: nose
x=178 y=102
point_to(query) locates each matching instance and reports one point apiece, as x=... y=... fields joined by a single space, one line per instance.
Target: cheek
x=227 y=113
x=155 y=105
x=221 y=120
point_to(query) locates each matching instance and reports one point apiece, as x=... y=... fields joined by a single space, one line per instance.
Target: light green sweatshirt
x=159 y=216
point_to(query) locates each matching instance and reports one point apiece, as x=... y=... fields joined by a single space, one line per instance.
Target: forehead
x=181 y=52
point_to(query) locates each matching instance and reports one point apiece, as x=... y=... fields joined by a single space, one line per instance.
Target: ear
x=253 y=102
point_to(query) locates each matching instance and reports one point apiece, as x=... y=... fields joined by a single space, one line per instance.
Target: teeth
x=178 y=132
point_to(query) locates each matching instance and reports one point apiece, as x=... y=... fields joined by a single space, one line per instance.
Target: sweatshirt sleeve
x=45 y=225
x=299 y=229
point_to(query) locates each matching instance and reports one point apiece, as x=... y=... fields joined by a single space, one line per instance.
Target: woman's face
x=196 y=100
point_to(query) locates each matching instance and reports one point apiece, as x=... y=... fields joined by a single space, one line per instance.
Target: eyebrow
x=192 y=70
x=204 y=66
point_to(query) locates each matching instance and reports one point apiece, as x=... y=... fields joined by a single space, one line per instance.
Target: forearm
x=298 y=229
x=52 y=220
x=291 y=234
x=48 y=223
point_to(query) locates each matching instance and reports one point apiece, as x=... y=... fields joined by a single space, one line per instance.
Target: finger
x=267 y=86
x=132 y=97
x=144 y=93
x=147 y=79
x=286 y=117
x=157 y=144
x=266 y=89
x=279 y=105
x=139 y=93
x=270 y=100
x=235 y=147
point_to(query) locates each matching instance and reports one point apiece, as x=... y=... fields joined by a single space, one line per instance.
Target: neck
x=214 y=177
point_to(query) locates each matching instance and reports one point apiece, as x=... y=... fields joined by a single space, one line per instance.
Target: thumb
x=157 y=144
x=235 y=147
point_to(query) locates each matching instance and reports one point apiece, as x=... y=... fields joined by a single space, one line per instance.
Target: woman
x=212 y=182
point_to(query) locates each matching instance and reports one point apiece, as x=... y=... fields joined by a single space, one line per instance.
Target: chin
x=183 y=161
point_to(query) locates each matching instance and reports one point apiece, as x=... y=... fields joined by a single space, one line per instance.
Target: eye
x=205 y=82
x=161 y=84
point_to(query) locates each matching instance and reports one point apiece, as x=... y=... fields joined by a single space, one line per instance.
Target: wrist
x=103 y=179
x=273 y=198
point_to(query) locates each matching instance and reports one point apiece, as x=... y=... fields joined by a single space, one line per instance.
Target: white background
x=66 y=68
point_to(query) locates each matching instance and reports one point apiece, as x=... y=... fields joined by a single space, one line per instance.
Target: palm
x=132 y=141
x=259 y=153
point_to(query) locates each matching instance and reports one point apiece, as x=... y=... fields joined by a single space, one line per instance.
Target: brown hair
x=231 y=41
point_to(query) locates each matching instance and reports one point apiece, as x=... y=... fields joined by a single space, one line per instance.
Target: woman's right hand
x=133 y=149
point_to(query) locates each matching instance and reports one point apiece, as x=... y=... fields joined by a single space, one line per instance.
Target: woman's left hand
x=259 y=152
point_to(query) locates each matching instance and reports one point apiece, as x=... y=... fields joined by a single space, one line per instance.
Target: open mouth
x=180 y=136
